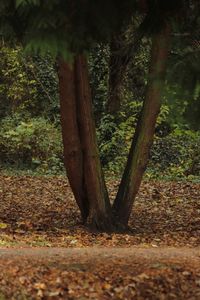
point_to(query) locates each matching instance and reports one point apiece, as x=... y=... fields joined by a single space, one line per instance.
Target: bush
x=115 y=135
x=176 y=155
x=28 y=86
x=17 y=90
x=35 y=143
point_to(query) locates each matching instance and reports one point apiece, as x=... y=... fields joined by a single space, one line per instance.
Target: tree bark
x=115 y=76
x=81 y=154
x=143 y=138
x=73 y=157
x=121 y=53
x=99 y=206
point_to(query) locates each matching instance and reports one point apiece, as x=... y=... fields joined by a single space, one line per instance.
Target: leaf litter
x=40 y=212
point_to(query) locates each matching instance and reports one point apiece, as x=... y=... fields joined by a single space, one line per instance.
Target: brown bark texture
x=94 y=183
x=122 y=51
x=73 y=157
x=143 y=138
x=115 y=76
x=81 y=154
x=80 y=146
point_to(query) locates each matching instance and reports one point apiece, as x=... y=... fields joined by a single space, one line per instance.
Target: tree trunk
x=81 y=154
x=121 y=53
x=94 y=184
x=73 y=157
x=143 y=138
x=115 y=76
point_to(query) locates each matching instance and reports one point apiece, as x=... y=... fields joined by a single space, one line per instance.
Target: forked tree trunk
x=94 y=184
x=143 y=138
x=81 y=154
x=73 y=157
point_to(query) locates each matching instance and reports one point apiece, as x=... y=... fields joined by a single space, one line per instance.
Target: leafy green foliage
x=17 y=90
x=44 y=73
x=67 y=27
x=35 y=144
x=28 y=85
x=183 y=79
x=175 y=152
x=28 y=95
x=115 y=137
x=176 y=155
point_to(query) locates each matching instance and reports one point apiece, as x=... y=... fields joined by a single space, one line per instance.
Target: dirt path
x=100 y=273
x=101 y=253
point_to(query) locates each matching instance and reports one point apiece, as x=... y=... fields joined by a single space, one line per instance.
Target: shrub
x=115 y=135
x=176 y=155
x=17 y=90
x=28 y=86
x=35 y=143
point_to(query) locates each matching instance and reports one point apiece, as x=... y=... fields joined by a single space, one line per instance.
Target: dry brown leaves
x=98 y=277
x=40 y=211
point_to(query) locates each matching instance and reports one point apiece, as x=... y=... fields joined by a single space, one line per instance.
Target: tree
x=184 y=77
x=123 y=47
x=68 y=29
x=80 y=146
x=143 y=138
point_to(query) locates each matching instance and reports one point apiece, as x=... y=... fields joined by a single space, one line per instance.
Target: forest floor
x=46 y=254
